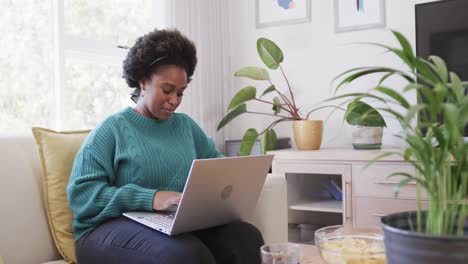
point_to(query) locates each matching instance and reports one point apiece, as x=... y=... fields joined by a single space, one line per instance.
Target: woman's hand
x=163 y=200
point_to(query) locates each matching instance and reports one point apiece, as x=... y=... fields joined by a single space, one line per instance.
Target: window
x=61 y=67
x=25 y=65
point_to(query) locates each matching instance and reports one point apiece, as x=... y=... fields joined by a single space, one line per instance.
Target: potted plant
x=307 y=133
x=369 y=125
x=435 y=148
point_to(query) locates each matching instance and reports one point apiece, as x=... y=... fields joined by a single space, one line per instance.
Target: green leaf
x=380 y=157
x=451 y=120
x=231 y=115
x=405 y=45
x=457 y=86
x=408 y=178
x=425 y=71
x=268 y=140
x=397 y=115
x=441 y=91
x=408 y=153
x=360 y=113
x=268 y=90
x=464 y=112
x=440 y=67
x=269 y=52
x=356 y=95
x=276 y=105
x=246 y=94
x=402 y=184
x=361 y=71
x=359 y=74
x=395 y=95
x=412 y=111
x=404 y=54
x=385 y=77
x=248 y=141
x=255 y=73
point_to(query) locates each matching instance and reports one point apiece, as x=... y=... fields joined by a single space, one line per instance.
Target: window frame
x=69 y=47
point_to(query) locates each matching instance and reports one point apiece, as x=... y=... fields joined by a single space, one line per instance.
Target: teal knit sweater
x=126 y=159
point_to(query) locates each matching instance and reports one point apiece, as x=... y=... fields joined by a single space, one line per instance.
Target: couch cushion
x=57 y=152
x=24 y=232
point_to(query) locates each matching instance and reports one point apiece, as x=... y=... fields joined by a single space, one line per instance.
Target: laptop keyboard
x=162 y=220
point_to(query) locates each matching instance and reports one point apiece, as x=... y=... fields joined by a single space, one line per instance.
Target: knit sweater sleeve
x=204 y=145
x=91 y=195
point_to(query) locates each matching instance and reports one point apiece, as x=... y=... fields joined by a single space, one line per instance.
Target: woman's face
x=162 y=93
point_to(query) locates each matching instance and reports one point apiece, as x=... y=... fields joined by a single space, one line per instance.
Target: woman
x=139 y=158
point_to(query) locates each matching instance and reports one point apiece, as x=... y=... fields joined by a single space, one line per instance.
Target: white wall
x=314 y=55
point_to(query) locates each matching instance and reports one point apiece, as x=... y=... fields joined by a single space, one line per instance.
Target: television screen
x=442 y=30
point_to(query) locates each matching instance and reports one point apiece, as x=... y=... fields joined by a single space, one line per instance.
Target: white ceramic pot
x=367 y=137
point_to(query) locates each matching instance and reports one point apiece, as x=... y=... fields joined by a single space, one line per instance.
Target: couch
x=24 y=232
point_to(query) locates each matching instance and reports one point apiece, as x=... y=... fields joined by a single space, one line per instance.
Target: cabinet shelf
x=331 y=206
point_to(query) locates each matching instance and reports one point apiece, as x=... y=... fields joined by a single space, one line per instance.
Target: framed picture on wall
x=353 y=15
x=281 y=12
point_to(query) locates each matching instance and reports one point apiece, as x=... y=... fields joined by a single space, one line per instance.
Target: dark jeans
x=125 y=241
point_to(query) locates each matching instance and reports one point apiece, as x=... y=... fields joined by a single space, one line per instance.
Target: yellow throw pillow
x=57 y=152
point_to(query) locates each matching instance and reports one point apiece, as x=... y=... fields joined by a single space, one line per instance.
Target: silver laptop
x=217 y=191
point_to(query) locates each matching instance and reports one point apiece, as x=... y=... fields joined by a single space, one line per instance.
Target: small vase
x=308 y=134
x=367 y=137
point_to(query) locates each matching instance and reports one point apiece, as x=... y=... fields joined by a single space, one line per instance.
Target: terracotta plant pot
x=308 y=134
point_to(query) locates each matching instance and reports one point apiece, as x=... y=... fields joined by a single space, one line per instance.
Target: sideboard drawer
x=368 y=211
x=373 y=181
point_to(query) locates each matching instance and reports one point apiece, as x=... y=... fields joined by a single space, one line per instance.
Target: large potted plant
x=307 y=133
x=435 y=148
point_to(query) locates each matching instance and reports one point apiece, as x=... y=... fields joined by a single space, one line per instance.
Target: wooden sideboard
x=367 y=192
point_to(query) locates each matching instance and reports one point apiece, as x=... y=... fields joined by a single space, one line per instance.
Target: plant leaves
x=248 y=141
x=268 y=140
x=360 y=113
x=408 y=176
x=407 y=154
x=397 y=115
x=385 y=77
x=268 y=90
x=394 y=94
x=412 y=111
x=276 y=105
x=380 y=157
x=231 y=115
x=425 y=71
x=402 y=184
x=451 y=120
x=457 y=86
x=356 y=95
x=440 y=67
x=405 y=45
x=246 y=94
x=269 y=52
x=252 y=72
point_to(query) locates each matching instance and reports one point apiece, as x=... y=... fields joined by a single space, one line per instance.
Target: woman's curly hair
x=157 y=48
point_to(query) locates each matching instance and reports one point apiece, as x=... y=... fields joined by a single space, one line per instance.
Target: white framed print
x=353 y=15
x=281 y=12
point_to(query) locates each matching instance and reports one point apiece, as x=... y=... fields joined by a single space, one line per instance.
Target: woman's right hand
x=163 y=200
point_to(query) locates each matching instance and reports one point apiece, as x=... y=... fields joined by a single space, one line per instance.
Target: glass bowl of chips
x=345 y=245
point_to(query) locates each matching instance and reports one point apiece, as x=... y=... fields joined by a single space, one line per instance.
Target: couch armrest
x=24 y=232
x=270 y=215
